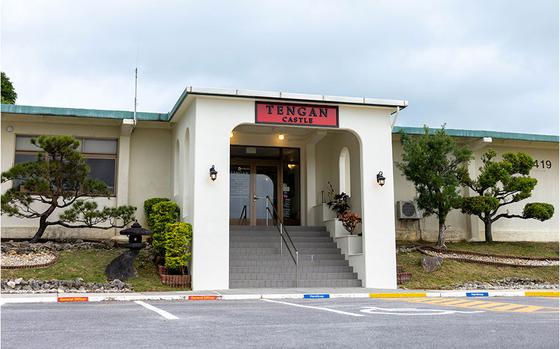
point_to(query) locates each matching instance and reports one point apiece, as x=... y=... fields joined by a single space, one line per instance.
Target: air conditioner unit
x=408 y=210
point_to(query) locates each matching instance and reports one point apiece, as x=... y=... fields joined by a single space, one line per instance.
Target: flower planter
x=403 y=277
x=173 y=280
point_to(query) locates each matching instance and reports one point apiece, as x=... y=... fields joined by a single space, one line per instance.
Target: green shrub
x=177 y=243
x=538 y=210
x=148 y=208
x=163 y=213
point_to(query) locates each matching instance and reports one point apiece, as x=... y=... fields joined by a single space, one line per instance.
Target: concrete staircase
x=255 y=259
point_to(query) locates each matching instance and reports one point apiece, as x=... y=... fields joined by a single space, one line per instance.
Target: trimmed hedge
x=148 y=208
x=177 y=243
x=163 y=213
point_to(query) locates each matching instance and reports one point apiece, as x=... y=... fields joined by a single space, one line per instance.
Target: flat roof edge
x=223 y=92
x=77 y=112
x=481 y=133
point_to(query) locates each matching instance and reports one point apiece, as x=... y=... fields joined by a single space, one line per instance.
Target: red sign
x=204 y=298
x=72 y=299
x=296 y=114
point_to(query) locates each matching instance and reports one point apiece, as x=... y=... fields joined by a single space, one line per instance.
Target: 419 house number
x=543 y=164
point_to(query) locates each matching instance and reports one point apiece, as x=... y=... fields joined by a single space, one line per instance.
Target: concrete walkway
x=270 y=293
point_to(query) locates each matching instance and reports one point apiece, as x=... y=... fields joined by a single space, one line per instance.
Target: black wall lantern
x=380 y=178
x=213 y=173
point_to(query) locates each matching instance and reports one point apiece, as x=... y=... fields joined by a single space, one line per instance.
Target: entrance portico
x=208 y=124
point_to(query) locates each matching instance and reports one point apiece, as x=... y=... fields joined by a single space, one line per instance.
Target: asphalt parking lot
x=515 y=322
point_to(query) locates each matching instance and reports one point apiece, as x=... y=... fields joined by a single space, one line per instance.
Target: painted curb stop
x=92 y=297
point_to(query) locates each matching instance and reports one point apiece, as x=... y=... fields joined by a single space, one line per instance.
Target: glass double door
x=254 y=187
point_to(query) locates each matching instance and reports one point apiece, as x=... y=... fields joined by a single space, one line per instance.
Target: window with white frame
x=100 y=155
x=344 y=171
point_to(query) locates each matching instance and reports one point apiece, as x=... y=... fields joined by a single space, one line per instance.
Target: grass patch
x=521 y=249
x=453 y=272
x=90 y=266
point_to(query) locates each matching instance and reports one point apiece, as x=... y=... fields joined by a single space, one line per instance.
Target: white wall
x=150 y=167
x=463 y=227
x=143 y=167
x=214 y=118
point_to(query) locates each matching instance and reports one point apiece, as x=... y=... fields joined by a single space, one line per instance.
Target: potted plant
x=350 y=220
x=340 y=204
x=177 y=243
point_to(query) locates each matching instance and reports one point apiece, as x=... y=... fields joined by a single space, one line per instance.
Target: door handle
x=255 y=198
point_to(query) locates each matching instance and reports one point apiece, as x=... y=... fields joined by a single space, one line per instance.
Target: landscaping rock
x=122 y=267
x=62 y=286
x=13 y=259
x=431 y=264
x=489 y=259
x=512 y=283
x=26 y=247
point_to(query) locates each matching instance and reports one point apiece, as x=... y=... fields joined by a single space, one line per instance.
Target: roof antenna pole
x=135 y=92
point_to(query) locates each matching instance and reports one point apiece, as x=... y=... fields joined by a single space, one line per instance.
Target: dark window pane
x=104 y=170
x=21 y=158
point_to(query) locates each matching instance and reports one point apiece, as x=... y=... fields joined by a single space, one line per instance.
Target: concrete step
x=286 y=262
x=304 y=268
x=255 y=259
x=276 y=238
x=276 y=244
x=291 y=276
x=271 y=234
x=292 y=283
x=286 y=258
x=251 y=251
x=289 y=228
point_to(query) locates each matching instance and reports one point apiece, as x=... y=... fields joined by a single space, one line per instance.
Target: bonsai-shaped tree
x=434 y=163
x=502 y=183
x=58 y=179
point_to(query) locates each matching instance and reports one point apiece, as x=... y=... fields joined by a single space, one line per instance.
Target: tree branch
x=507 y=215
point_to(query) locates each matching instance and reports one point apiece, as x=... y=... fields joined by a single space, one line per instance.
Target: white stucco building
x=286 y=146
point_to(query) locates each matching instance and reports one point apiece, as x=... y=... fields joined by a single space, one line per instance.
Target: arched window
x=344 y=171
x=176 y=172
x=186 y=179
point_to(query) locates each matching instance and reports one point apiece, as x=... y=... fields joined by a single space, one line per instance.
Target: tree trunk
x=441 y=235
x=41 y=230
x=43 y=223
x=488 y=230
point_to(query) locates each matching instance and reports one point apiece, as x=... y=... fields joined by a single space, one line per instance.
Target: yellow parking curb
x=542 y=294
x=397 y=295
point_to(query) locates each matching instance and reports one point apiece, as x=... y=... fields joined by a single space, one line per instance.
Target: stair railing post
x=297 y=268
x=266 y=209
x=281 y=232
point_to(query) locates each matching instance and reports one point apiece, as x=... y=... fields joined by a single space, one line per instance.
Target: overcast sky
x=488 y=64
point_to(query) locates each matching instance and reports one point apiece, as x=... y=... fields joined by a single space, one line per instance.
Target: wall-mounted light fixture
x=213 y=173
x=292 y=166
x=281 y=137
x=380 y=178
x=10 y=128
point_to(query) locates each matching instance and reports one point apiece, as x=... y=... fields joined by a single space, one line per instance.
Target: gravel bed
x=12 y=259
x=60 y=286
x=518 y=262
x=506 y=284
x=26 y=246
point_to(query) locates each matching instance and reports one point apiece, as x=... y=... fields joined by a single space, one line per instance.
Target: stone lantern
x=122 y=267
x=135 y=233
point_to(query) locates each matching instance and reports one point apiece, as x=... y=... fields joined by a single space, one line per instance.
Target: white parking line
x=163 y=313
x=312 y=307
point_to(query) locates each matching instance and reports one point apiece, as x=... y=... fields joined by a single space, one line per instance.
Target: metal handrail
x=282 y=231
x=243 y=215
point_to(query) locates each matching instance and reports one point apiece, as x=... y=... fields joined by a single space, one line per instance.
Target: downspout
x=395 y=117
